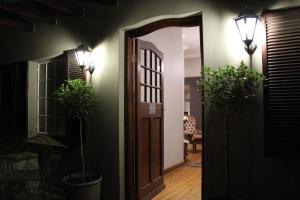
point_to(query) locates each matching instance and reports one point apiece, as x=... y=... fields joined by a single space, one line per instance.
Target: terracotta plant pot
x=76 y=189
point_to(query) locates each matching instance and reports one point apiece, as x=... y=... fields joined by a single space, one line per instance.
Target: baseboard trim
x=154 y=193
x=174 y=167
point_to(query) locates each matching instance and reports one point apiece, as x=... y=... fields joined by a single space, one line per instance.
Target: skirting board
x=174 y=167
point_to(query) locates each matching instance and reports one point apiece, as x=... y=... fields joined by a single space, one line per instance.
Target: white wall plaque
x=152 y=109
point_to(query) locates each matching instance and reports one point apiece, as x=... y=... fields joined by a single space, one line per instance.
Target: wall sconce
x=246 y=23
x=83 y=53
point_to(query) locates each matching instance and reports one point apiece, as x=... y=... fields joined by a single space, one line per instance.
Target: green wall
x=103 y=28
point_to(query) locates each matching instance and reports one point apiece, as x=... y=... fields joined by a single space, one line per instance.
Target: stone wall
x=19 y=173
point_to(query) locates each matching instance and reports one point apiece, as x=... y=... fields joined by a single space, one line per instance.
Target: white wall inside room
x=191 y=42
x=191 y=45
x=192 y=67
x=169 y=41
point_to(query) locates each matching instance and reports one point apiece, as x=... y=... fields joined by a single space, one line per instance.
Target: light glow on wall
x=258 y=40
x=98 y=57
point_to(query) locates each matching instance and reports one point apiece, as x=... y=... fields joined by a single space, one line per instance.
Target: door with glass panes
x=149 y=138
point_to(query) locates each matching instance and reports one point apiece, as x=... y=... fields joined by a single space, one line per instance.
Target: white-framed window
x=50 y=75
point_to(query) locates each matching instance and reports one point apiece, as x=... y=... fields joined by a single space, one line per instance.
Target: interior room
x=180 y=47
x=111 y=130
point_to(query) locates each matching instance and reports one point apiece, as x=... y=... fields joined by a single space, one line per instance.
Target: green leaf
x=77 y=98
x=229 y=87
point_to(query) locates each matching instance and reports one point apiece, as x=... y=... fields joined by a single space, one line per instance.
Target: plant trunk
x=81 y=151
x=227 y=169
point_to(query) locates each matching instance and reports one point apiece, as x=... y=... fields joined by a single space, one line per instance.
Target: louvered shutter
x=281 y=60
x=72 y=124
x=13 y=104
x=73 y=70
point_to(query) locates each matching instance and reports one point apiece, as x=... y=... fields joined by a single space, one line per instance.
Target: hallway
x=183 y=183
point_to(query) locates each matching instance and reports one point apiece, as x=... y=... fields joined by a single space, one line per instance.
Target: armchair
x=193 y=135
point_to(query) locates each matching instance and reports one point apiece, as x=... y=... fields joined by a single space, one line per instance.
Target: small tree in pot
x=78 y=99
x=229 y=89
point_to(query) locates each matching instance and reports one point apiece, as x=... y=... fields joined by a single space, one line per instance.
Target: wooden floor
x=183 y=183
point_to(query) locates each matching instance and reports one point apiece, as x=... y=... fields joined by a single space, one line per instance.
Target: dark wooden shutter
x=72 y=124
x=281 y=60
x=73 y=70
x=13 y=98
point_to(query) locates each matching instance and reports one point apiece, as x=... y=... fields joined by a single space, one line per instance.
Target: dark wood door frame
x=130 y=94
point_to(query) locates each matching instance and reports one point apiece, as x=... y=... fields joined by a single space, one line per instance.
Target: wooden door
x=149 y=135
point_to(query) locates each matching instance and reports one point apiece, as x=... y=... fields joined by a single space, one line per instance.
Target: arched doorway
x=136 y=186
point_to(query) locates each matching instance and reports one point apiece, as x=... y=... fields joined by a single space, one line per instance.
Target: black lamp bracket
x=90 y=68
x=250 y=48
x=81 y=67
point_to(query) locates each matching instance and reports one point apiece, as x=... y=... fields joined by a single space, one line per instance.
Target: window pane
x=42 y=110
x=51 y=87
x=153 y=78
x=42 y=124
x=142 y=75
x=142 y=58
x=42 y=71
x=153 y=61
x=148 y=77
x=51 y=107
x=142 y=94
x=158 y=96
x=42 y=88
x=158 y=64
x=148 y=94
x=153 y=95
x=148 y=58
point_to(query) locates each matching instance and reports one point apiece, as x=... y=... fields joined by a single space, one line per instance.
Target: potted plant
x=78 y=99
x=229 y=89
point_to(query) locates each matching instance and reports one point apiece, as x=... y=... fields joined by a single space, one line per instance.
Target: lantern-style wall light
x=83 y=54
x=246 y=23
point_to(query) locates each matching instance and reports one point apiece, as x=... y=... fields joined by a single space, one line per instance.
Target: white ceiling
x=191 y=42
